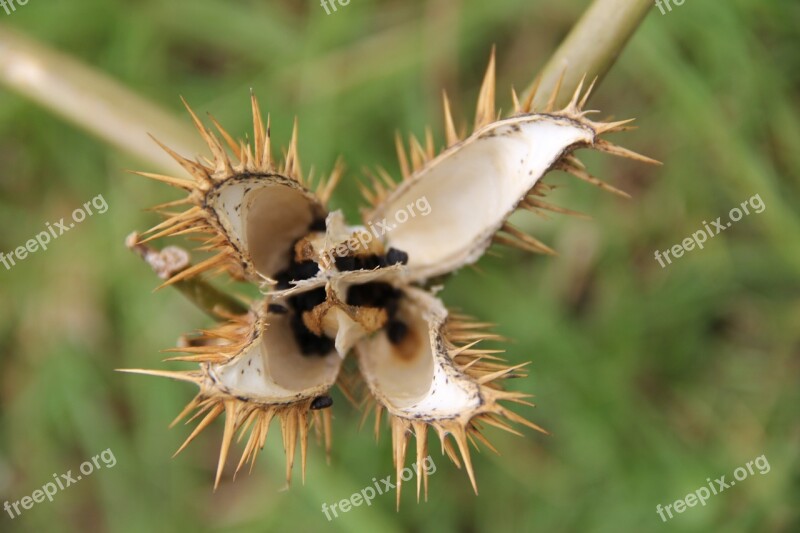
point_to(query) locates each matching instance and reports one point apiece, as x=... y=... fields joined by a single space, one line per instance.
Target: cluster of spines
x=420 y=154
x=481 y=365
x=221 y=345
x=485 y=368
x=253 y=420
x=255 y=158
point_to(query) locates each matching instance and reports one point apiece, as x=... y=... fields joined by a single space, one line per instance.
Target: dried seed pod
x=250 y=208
x=252 y=369
x=450 y=207
x=424 y=378
x=333 y=287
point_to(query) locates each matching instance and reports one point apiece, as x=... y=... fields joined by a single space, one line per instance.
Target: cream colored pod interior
x=472 y=188
x=263 y=216
x=328 y=294
x=271 y=369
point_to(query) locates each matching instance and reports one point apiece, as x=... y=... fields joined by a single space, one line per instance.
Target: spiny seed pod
x=250 y=209
x=331 y=289
x=474 y=185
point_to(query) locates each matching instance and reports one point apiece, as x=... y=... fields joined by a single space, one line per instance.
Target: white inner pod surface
x=272 y=370
x=416 y=378
x=263 y=216
x=472 y=188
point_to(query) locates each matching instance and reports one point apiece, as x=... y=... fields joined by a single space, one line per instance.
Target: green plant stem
x=591 y=48
x=209 y=299
x=172 y=260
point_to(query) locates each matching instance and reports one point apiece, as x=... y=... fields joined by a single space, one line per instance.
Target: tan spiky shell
x=420 y=363
x=438 y=378
x=251 y=370
x=476 y=183
x=224 y=194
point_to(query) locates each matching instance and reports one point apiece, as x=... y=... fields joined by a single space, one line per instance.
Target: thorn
x=258 y=130
x=551 y=103
x=527 y=107
x=190 y=377
x=588 y=93
x=485 y=112
x=573 y=108
x=220 y=157
x=532 y=242
x=500 y=373
x=514 y=417
x=430 y=149
x=515 y=101
x=588 y=178
x=289 y=429
x=461 y=441
x=418 y=157
x=500 y=425
x=610 y=127
x=227 y=437
x=451 y=137
x=421 y=436
x=195 y=169
x=229 y=140
x=169 y=180
x=401 y=155
x=609 y=148
x=326 y=192
x=186 y=410
x=196 y=269
x=532 y=204
x=292 y=164
x=210 y=417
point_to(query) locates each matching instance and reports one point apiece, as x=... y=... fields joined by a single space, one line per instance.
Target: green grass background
x=651 y=380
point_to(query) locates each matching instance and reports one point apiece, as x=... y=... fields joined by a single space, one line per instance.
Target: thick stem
x=591 y=48
x=91 y=100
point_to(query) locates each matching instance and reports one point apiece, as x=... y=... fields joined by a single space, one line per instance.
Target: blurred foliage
x=651 y=380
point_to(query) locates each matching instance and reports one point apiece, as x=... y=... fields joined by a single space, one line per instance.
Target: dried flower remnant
x=424 y=366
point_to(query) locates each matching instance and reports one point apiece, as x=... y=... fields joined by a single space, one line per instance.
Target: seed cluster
x=380 y=295
x=371 y=261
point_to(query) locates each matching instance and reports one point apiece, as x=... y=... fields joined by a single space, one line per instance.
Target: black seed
x=307 y=341
x=368 y=262
x=278 y=309
x=396 y=331
x=345 y=263
x=394 y=256
x=321 y=402
x=375 y=294
x=392 y=306
x=318 y=225
x=304 y=270
x=307 y=301
x=283 y=278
